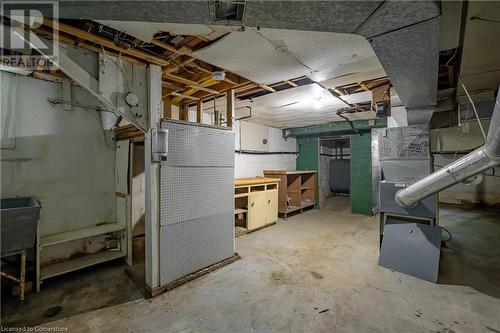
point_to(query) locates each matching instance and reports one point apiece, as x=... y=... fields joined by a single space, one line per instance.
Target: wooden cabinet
x=256 y=203
x=257 y=210
x=297 y=190
x=272 y=206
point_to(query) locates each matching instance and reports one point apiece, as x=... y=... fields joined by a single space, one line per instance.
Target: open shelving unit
x=117 y=230
x=297 y=190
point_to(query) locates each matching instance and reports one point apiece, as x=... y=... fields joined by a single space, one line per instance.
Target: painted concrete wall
x=449 y=144
x=59 y=157
x=361 y=174
x=251 y=165
x=138 y=190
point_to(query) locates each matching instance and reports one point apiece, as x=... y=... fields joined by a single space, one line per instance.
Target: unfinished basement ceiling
x=146 y=30
x=267 y=56
x=300 y=106
x=403 y=34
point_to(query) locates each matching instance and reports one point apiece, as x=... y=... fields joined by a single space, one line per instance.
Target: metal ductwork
x=478 y=161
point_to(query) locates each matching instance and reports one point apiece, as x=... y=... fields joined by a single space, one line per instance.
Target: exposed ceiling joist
x=184 y=96
x=105 y=42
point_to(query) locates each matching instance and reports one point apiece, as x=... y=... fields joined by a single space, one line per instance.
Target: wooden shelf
x=63 y=237
x=291 y=209
x=239 y=211
x=297 y=189
x=78 y=263
x=287 y=172
x=255 y=181
x=241 y=195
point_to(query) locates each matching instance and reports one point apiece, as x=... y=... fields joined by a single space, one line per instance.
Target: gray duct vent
x=228 y=10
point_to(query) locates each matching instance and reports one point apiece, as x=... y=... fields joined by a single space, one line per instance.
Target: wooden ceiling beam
x=87 y=36
x=184 y=96
x=186 y=60
x=76 y=42
x=179 y=79
x=183 y=50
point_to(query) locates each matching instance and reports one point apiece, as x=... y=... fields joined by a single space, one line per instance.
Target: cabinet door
x=272 y=206
x=257 y=210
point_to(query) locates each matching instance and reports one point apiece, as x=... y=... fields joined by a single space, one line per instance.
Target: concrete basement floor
x=318 y=272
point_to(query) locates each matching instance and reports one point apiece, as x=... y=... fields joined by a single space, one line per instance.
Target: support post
x=199 y=111
x=152 y=175
x=167 y=107
x=184 y=114
x=229 y=108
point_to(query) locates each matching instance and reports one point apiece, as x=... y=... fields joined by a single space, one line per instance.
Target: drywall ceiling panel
x=364 y=70
x=248 y=54
x=146 y=30
x=309 y=104
x=311 y=96
x=307 y=120
x=324 y=53
x=365 y=96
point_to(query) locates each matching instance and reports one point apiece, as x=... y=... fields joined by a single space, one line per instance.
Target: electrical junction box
x=159 y=144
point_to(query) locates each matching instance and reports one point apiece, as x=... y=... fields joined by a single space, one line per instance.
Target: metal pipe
x=478 y=161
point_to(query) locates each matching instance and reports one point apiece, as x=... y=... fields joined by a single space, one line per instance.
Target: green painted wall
x=341 y=127
x=361 y=163
x=361 y=174
x=308 y=158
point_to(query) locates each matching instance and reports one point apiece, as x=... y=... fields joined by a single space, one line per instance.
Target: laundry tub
x=18 y=223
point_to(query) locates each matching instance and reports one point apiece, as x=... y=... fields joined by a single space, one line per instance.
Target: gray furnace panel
x=196 y=199
x=410 y=142
x=412 y=248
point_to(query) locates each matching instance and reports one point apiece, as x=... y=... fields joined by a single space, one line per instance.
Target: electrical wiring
x=448 y=232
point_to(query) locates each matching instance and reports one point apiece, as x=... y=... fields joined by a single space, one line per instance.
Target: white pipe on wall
x=478 y=161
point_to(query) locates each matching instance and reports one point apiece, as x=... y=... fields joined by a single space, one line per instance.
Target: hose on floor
x=448 y=232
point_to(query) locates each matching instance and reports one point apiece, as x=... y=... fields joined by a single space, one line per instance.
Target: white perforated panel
x=196 y=199
x=194 y=192
x=191 y=145
x=192 y=245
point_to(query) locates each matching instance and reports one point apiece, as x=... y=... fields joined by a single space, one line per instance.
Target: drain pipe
x=478 y=161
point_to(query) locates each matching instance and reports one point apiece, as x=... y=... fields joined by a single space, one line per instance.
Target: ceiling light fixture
x=218 y=75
